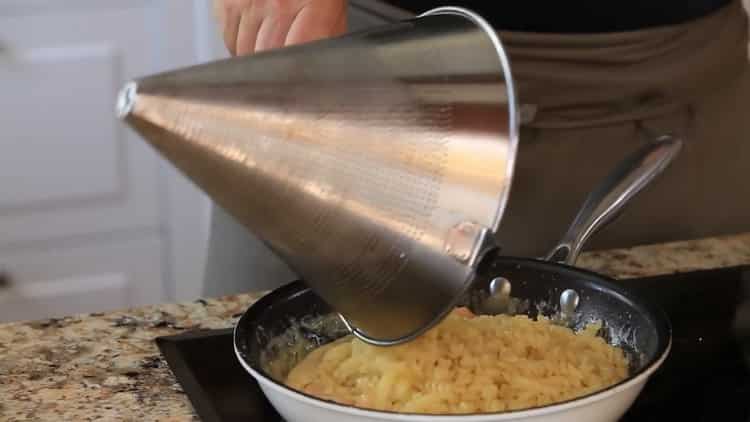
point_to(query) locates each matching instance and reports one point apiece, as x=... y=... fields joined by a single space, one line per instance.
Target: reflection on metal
x=377 y=165
x=569 y=300
x=499 y=299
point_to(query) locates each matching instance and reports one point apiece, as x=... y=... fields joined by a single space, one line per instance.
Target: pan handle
x=606 y=202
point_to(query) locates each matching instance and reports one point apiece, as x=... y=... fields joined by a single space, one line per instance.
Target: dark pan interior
x=639 y=327
x=630 y=322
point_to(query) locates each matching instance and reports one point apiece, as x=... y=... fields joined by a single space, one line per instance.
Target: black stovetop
x=705 y=378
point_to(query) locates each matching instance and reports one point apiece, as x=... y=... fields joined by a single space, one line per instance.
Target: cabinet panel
x=76 y=185
x=55 y=115
x=69 y=168
x=57 y=298
x=99 y=276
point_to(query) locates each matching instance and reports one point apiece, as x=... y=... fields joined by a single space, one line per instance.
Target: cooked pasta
x=466 y=364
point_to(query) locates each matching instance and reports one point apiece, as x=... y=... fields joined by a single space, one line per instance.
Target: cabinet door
x=77 y=278
x=68 y=168
x=83 y=220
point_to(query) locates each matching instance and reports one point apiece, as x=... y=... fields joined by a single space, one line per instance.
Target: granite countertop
x=107 y=366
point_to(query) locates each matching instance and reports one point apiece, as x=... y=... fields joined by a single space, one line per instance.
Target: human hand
x=250 y=26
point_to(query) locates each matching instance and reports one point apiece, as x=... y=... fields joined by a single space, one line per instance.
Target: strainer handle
x=607 y=201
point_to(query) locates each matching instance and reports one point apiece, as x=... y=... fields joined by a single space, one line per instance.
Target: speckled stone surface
x=106 y=367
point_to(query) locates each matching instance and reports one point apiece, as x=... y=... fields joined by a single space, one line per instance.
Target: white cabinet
x=90 y=217
x=90 y=277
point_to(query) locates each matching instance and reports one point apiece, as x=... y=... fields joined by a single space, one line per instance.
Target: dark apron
x=590 y=96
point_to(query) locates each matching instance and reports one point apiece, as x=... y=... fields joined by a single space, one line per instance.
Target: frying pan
x=284 y=325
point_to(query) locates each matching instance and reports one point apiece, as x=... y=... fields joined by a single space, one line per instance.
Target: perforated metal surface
x=376 y=165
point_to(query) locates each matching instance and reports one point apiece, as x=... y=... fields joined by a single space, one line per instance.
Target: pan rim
x=664 y=347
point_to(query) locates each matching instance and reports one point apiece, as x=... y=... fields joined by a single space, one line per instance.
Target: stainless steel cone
x=377 y=165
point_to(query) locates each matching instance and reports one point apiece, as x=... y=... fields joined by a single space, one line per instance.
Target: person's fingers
x=231 y=23
x=273 y=31
x=317 y=20
x=255 y=25
x=249 y=25
x=341 y=25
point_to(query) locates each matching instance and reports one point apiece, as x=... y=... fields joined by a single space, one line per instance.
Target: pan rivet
x=500 y=287
x=569 y=300
x=499 y=298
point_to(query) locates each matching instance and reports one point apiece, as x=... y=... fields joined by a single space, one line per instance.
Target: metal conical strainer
x=377 y=165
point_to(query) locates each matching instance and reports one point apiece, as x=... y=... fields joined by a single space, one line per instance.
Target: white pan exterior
x=607 y=406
